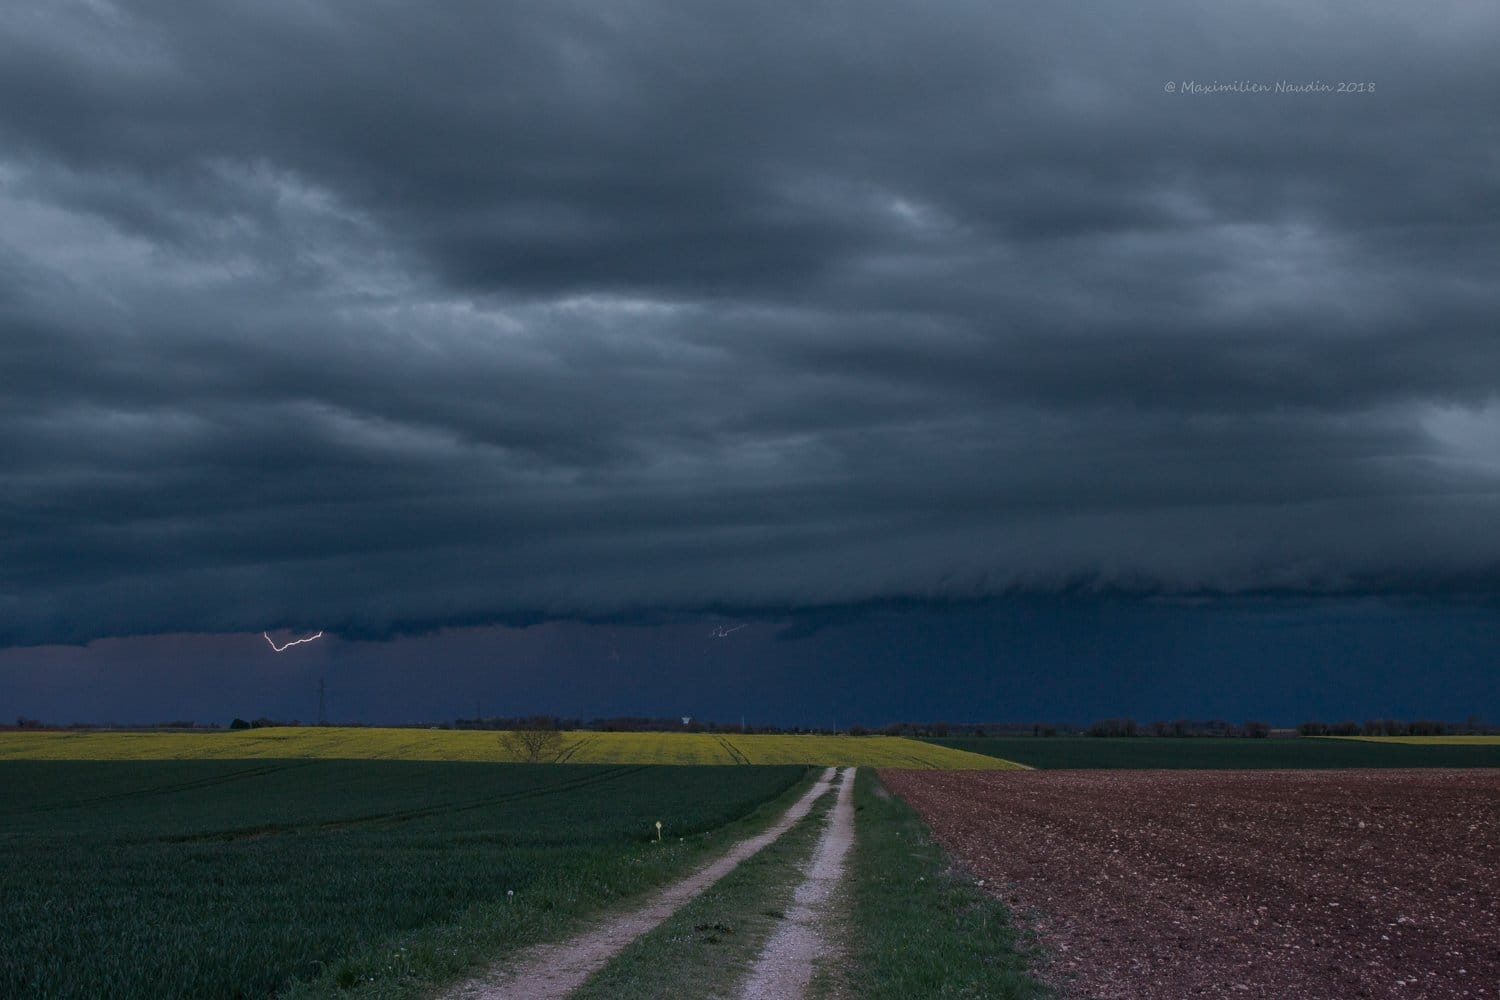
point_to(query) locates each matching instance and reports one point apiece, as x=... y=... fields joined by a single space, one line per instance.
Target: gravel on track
x=786 y=963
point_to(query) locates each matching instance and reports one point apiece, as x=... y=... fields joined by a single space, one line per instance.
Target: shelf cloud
x=384 y=317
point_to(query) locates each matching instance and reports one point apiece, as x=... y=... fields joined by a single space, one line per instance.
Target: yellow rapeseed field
x=1431 y=741
x=444 y=744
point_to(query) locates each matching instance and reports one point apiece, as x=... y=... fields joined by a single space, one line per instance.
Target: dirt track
x=552 y=971
x=786 y=964
x=1162 y=885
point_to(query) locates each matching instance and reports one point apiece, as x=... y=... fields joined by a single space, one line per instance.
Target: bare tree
x=534 y=741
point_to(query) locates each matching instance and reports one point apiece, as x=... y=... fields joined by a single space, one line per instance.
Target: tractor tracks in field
x=568 y=753
x=405 y=815
x=172 y=788
x=735 y=754
x=554 y=971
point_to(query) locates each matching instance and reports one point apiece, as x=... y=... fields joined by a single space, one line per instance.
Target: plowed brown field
x=1160 y=885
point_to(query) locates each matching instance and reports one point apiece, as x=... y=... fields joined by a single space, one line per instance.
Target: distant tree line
x=24 y=723
x=1111 y=727
x=1255 y=729
x=940 y=729
x=262 y=722
x=629 y=724
x=1180 y=728
x=1395 y=727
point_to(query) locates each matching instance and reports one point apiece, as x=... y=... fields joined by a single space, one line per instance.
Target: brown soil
x=1160 y=885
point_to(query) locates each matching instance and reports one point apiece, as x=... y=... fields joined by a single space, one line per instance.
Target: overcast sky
x=390 y=317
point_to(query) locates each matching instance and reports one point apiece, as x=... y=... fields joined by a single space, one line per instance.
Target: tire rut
x=786 y=965
x=553 y=971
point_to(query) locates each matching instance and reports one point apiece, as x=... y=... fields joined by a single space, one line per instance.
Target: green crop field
x=1158 y=752
x=351 y=743
x=267 y=877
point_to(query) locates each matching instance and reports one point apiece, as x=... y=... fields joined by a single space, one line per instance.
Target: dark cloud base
x=386 y=319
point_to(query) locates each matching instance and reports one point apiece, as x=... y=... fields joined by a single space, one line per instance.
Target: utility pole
x=321 y=689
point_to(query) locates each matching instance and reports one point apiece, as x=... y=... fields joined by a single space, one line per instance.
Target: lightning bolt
x=294 y=642
x=721 y=632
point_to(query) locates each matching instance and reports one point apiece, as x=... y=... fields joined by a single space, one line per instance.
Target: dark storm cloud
x=381 y=316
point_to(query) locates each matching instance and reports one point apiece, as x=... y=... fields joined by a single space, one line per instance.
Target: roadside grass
x=359 y=743
x=918 y=927
x=320 y=878
x=708 y=947
x=1213 y=753
x=1428 y=741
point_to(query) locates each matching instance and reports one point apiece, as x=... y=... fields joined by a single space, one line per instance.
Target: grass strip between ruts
x=707 y=947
